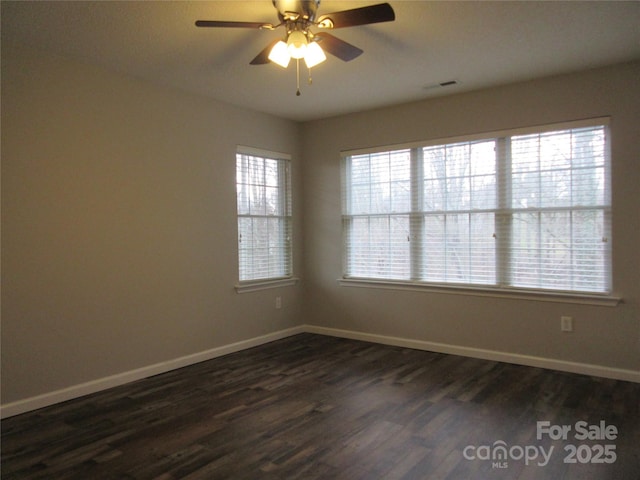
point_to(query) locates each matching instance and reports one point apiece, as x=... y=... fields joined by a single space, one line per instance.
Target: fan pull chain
x=309 y=80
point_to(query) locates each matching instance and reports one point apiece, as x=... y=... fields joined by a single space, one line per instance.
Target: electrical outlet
x=278 y=302
x=566 y=324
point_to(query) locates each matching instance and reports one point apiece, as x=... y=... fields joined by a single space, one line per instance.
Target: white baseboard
x=76 y=391
x=93 y=386
x=528 y=360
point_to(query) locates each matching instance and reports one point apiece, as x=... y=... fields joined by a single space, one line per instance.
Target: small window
x=522 y=210
x=263 y=188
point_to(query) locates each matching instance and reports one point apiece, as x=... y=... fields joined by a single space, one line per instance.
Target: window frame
x=285 y=192
x=498 y=289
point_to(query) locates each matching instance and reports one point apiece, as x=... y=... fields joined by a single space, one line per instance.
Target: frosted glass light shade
x=314 y=55
x=280 y=54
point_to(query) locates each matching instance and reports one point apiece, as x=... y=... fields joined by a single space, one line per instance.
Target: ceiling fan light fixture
x=314 y=55
x=280 y=54
x=297 y=44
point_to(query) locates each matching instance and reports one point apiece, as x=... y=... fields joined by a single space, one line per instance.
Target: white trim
x=93 y=386
x=507 y=357
x=486 y=291
x=255 y=285
x=76 y=391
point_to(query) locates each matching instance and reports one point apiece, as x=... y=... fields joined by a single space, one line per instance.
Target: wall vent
x=448 y=83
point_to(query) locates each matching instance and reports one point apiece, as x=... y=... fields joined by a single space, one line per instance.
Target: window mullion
x=607 y=211
x=283 y=188
x=503 y=219
x=347 y=215
x=416 y=219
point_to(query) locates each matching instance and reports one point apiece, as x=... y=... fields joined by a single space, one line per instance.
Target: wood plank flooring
x=316 y=407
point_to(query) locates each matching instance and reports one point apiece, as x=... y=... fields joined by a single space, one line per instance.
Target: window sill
x=602 y=300
x=255 y=285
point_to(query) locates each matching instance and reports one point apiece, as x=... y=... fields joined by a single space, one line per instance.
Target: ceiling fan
x=300 y=42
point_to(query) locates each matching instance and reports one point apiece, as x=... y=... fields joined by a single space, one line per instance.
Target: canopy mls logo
x=499 y=453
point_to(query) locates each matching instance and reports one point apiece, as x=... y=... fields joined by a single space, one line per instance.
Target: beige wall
x=118 y=224
x=603 y=336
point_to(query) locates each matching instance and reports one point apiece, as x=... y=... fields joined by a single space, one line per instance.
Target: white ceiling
x=478 y=44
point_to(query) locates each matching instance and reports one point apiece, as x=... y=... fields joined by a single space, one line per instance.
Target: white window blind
x=559 y=210
x=458 y=186
x=516 y=210
x=263 y=189
x=379 y=206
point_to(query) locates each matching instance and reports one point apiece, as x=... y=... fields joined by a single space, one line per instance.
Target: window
x=263 y=189
x=517 y=210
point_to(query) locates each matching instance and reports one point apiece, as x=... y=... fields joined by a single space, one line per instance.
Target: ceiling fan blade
x=358 y=16
x=217 y=23
x=263 y=57
x=341 y=49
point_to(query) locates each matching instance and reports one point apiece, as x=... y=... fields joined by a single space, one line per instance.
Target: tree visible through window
x=525 y=210
x=263 y=191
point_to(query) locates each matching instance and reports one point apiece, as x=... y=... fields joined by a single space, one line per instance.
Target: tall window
x=527 y=209
x=263 y=188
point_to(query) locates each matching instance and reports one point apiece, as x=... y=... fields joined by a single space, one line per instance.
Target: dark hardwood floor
x=316 y=407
